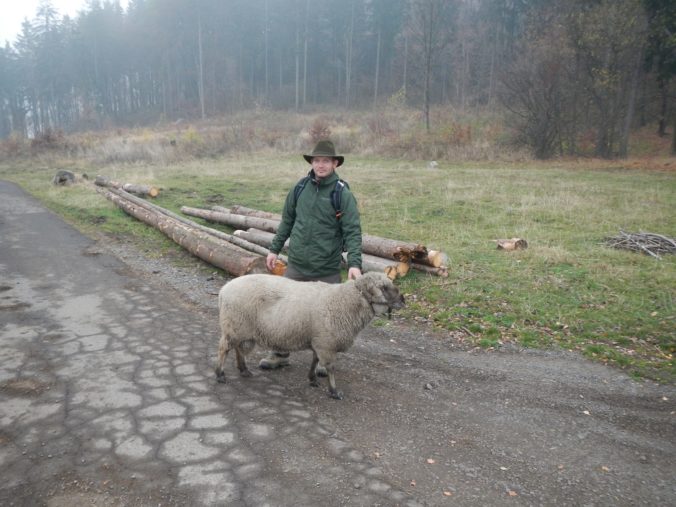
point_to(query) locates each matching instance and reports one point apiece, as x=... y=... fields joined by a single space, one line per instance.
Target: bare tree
x=430 y=27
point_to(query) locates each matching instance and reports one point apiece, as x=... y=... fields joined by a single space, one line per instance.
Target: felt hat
x=324 y=149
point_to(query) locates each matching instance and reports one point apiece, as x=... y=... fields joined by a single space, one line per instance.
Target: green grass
x=566 y=290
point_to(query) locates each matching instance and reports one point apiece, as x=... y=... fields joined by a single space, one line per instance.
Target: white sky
x=13 y=12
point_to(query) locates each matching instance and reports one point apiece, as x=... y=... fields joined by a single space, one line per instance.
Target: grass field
x=567 y=289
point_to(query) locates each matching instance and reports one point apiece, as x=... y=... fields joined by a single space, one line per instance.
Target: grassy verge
x=566 y=290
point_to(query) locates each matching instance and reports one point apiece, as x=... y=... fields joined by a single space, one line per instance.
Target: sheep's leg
x=327 y=357
x=223 y=349
x=241 y=363
x=333 y=392
x=312 y=376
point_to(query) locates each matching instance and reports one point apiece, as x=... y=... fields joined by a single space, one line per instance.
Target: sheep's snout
x=394 y=301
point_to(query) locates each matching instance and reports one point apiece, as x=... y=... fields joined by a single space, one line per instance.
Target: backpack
x=336 y=193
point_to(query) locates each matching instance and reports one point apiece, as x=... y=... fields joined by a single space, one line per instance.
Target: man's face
x=324 y=166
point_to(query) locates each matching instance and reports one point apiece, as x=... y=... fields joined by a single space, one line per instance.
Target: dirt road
x=107 y=397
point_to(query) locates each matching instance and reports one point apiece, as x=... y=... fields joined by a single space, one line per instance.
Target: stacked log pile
x=393 y=257
x=244 y=251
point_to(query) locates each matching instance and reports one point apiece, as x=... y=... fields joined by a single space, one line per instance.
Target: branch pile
x=393 y=257
x=644 y=242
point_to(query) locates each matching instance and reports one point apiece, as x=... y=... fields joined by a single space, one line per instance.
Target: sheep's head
x=380 y=292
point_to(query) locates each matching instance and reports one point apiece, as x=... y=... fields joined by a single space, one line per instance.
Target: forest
x=555 y=71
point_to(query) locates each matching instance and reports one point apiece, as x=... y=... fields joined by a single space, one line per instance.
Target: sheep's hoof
x=245 y=373
x=314 y=383
x=220 y=376
x=336 y=395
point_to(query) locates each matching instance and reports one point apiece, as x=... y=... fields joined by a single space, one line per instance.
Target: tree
x=429 y=25
x=608 y=37
x=661 y=54
x=533 y=91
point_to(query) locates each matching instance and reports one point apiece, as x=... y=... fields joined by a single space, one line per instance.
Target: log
x=512 y=244
x=434 y=259
x=374 y=245
x=259 y=237
x=249 y=212
x=389 y=249
x=237 y=221
x=142 y=190
x=392 y=268
x=219 y=253
x=280 y=266
x=441 y=271
x=392 y=249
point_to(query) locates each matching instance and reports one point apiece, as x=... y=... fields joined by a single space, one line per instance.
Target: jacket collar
x=329 y=180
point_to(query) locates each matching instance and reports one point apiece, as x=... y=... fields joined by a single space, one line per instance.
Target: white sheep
x=284 y=315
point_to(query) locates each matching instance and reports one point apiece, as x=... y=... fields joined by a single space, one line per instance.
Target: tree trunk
x=441 y=271
x=219 y=253
x=201 y=65
x=629 y=117
x=249 y=212
x=259 y=237
x=142 y=190
x=375 y=84
x=348 y=56
x=392 y=249
x=254 y=247
x=393 y=269
x=239 y=221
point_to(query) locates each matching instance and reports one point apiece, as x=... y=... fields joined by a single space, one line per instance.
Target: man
x=319 y=226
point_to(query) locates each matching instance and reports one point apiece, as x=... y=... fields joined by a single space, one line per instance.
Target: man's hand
x=270 y=261
x=353 y=273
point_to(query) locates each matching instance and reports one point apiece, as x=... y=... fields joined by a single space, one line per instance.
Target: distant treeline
x=561 y=69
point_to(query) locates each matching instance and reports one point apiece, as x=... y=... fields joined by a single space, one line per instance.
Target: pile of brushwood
x=643 y=242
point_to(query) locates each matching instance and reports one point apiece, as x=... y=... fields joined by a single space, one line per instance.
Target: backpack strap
x=336 y=196
x=299 y=187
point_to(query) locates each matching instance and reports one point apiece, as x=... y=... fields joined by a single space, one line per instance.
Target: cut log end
x=512 y=244
x=391 y=272
x=279 y=269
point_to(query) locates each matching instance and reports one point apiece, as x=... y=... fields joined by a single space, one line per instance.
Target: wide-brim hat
x=324 y=149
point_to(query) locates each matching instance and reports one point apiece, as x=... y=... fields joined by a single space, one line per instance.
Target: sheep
x=281 y=314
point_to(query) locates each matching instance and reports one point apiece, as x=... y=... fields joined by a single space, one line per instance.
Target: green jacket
x=317 y=236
